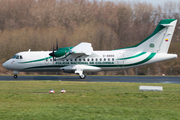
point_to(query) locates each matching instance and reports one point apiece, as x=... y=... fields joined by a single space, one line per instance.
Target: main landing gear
x=82 y=76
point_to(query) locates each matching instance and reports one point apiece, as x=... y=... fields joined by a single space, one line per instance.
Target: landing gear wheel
x=82 y=76
x=15 y=76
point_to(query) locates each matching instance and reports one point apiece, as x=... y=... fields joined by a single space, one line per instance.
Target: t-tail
x=152 y=49
x=159 y=40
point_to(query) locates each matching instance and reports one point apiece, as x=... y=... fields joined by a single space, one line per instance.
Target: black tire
x=15 y=76
x=83 y=76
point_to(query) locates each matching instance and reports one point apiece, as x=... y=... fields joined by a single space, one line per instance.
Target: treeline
x=37 y=24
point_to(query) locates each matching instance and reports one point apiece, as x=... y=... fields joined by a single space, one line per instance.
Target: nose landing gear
x=15 y=74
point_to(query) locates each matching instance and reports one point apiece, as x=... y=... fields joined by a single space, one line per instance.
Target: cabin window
x=50 y=59
x=96 y=59
x=46 y=60
x=79 y=59
x=104 y=59
x=84 y=59
x=67 y=60
x=71 y=60
x=75 y=59
x=112 y=59
x=100 y=59
x=92 y=59
x=108 y=59
x=88 y=59
x=54 y=59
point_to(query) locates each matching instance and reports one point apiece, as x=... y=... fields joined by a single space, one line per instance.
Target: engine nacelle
x=62 y=51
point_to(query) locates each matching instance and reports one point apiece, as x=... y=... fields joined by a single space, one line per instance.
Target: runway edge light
x=150 y=88
x=51 y=91
x=63 y=91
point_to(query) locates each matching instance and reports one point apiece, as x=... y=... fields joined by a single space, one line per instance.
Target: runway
x=136 y=79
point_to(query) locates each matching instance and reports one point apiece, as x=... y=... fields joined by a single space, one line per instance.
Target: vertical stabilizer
x=160 y=39
x=168 y=33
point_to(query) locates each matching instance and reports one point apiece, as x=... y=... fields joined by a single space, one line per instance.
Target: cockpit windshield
x=17 y=57
x=14 y=57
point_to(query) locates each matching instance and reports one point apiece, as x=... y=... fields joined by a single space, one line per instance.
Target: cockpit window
x=14 y=56
x=21 y=57
x=17 y=57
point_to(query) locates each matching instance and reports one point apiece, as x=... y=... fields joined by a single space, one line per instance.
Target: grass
x=30 y=100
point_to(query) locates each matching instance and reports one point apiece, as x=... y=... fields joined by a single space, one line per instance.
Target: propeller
x=52 y=54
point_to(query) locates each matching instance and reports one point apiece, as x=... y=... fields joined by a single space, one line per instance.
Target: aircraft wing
x=82 y=48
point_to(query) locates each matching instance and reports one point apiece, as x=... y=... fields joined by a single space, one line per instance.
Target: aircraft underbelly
x=109 y=68
x=44 y=69
x=84 y=68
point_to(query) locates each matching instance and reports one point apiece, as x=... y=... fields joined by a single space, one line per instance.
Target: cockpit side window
x=17 y=57
x=21 y=57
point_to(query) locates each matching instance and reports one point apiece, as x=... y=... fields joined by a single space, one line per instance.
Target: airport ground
x=29 y=99
x=90 y=78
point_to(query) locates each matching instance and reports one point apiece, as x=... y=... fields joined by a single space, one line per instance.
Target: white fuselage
x=39 y=61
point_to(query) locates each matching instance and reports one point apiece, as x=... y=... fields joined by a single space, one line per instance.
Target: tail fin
x=160 y=39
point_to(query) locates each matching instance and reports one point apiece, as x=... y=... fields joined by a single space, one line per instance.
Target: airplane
x=82 y=59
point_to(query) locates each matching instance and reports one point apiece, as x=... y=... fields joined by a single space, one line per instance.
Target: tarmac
x=135 y=79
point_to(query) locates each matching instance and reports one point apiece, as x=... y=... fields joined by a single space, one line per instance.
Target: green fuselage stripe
x=37 y=60
x=48 y=66
x=132 y=56
x=120 y=65
x=140 y=62
x=128 y=65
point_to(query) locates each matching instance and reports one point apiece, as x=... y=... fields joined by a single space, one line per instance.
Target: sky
x=148 y=1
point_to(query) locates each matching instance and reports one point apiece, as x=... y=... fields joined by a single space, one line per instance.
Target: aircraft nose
x=5 y=65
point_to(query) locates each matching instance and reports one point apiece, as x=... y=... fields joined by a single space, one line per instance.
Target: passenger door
x=120 y=60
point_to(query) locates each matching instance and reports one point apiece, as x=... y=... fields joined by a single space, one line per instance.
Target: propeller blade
x=52 y=54
x=53 y=48
x=56 y=44
x=53 y=60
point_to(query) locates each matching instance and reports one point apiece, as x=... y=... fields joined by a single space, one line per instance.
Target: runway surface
x=138 y=79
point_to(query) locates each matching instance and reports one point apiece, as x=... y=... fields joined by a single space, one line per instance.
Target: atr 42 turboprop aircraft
x=82 y=59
